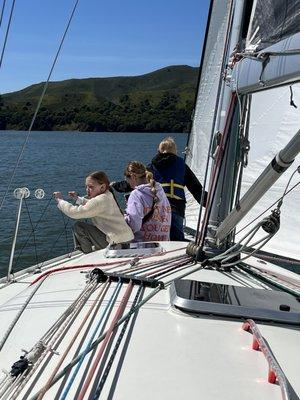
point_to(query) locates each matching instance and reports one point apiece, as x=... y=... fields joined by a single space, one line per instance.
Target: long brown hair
x=100 y=177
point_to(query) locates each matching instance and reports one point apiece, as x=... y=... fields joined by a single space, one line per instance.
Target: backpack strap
x=150 y=213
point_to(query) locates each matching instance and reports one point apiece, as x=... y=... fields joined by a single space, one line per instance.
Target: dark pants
x=87 y=235
x=176 y=231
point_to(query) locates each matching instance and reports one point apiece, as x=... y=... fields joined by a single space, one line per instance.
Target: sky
x=106 y=38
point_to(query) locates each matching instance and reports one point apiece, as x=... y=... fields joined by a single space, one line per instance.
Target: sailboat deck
x=164 y=353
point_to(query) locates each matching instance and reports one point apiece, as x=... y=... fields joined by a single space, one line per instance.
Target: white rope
x=15 y=320
x=49 y=340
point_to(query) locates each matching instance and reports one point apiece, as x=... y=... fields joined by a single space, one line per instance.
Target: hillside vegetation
x=160 y=101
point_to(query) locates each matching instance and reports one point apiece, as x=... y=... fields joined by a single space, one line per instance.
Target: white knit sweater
x=104 y=213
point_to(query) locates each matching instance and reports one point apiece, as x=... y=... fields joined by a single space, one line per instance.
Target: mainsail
x=274 y=116
x=273 y=122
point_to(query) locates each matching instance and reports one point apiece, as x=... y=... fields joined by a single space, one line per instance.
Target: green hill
x=159 y=101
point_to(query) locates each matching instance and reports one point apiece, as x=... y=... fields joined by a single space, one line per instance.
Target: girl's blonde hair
x=167 y=145
x=138 y=169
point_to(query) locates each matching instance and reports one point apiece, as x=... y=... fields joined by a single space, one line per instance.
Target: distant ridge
x=158 y=101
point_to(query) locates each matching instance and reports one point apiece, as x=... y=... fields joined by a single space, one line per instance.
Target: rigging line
x=160 y=271
x=17 y=317
x=32 y=231
x=168 y=273
x=54 y=244
x=92 y=354
x=2 y=12
x=32 y=228
x=278 y=258
x=38 y=105
x=263 y=240
x=82 y=340
x=268 y=279
x=217 y=167
x=66 y=232
x=7 y=29
x=145 y=267
x=99 y=297
x=124 y=351
x=81 y=356
x=267 y=209
x=118 y=314
x=71 y=364
x=117 y=345
x=51 y=331
x=56 y=339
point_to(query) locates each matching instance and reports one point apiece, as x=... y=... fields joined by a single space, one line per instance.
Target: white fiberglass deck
x=164 y=354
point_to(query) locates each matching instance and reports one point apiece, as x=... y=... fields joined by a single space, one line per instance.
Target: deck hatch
x=235 y=302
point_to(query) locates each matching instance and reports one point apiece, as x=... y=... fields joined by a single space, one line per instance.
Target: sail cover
x=272 y=21
x=210 y=75
x=273 y=122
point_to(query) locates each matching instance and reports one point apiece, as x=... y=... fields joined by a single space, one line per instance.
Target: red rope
x=108 y=333
x=116 y=263
x=71 y=267
x=217 y=166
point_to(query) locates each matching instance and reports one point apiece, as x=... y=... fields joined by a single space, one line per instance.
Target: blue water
x=59 y=161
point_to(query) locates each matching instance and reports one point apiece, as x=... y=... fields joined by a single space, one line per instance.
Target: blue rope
x=107 y=310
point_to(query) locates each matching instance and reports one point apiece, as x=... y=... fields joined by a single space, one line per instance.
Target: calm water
x=59 y=161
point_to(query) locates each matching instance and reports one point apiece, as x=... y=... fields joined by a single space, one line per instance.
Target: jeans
x=176 y=232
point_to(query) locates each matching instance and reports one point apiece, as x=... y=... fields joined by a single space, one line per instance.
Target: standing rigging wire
x=39 y=103
x=54 y=244
x=279 y=200
x=2 y=12
x=7 y=29
x=33 y=230
x=65 y=230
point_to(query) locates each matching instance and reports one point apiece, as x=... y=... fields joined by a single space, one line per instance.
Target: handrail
x=275 y=371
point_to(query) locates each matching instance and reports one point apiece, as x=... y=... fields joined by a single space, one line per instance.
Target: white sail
x=273 y=122
x=199 y=140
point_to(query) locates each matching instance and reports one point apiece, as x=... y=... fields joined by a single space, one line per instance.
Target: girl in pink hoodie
x=148 y=211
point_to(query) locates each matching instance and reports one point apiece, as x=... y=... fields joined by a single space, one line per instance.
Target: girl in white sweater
x=108 y=224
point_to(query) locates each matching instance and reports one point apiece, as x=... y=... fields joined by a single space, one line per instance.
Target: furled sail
x=211 y=71
x=273 y=122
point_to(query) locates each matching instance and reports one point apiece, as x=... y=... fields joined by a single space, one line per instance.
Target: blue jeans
x=176 y=232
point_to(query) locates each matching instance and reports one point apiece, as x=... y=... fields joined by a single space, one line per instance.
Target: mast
x=266 y=67
x=227 y=127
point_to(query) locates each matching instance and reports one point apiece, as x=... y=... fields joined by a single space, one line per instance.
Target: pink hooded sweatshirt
x=140 y=201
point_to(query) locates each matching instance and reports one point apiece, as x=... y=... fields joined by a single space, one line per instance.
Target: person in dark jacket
x=174 y=175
